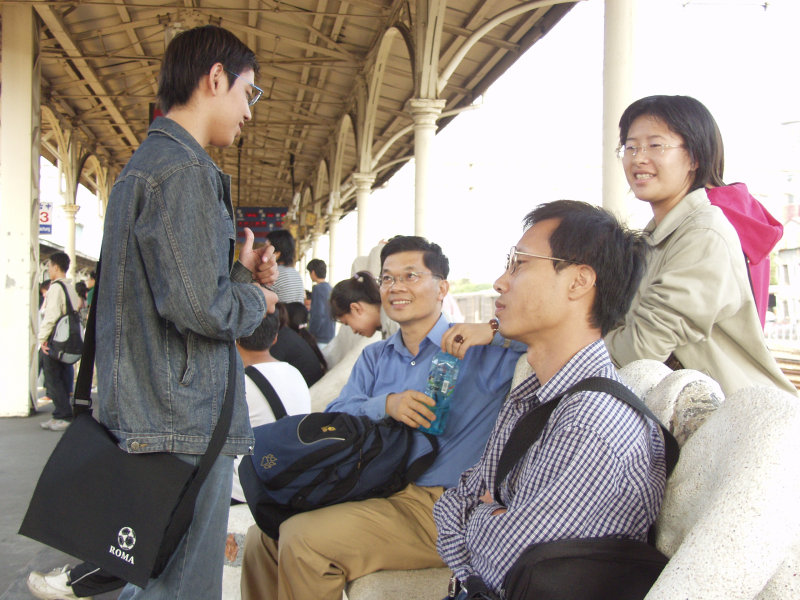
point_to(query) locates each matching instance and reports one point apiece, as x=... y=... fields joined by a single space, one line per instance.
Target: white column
x=617 y=86
x=70 y=210
x=333 y=223
x=364 y=183
x=302 y=262
x=425 y=112
x=314 y=244
x=19 y=209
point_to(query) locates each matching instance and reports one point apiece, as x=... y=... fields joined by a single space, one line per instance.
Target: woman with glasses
x=695 y=307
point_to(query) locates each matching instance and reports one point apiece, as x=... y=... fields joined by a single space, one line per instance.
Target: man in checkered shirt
x=598 y=468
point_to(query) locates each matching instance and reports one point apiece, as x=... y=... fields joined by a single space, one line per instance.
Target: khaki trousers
x=320 y=551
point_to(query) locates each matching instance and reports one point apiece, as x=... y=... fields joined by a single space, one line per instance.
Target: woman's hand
x=462 y=336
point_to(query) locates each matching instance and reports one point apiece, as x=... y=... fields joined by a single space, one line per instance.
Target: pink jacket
x=758 y=233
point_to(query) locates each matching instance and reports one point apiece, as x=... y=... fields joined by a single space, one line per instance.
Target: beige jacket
x=54 y=306
x=695 y=300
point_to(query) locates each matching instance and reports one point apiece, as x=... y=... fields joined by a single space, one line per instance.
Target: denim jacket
x=169 y=305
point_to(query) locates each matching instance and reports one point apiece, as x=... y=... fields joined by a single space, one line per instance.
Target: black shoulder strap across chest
x=267 y=390
x=66 y=297
x=530 y=426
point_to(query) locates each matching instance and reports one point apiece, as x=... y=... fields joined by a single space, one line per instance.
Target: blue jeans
x=195 y=569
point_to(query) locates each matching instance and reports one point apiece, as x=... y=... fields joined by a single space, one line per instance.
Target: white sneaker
x=58 y=425
x=51 y=586
x=46 y=424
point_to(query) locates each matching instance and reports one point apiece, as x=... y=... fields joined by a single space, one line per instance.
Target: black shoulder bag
x=125 y=513
x=588 y=568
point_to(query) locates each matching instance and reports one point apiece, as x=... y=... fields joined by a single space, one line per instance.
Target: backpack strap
x=69 y=302
x=265 y=387
x=530 y=426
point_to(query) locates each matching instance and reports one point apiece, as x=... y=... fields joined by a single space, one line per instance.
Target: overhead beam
x=56 y=26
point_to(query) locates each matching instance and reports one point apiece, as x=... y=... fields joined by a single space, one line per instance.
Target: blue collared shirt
x=484 y=378
x=597 y=470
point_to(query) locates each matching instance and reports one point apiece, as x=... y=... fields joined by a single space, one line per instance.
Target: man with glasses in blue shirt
x=318 y=552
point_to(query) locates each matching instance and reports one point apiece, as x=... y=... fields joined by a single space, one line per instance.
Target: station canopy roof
x=318 y=58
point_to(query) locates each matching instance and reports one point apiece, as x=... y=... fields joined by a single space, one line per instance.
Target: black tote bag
x=125 y=513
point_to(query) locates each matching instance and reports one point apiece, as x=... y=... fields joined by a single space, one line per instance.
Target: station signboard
x=261 y=219
x=45 y=218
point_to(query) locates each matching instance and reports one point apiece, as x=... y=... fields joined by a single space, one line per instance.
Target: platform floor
x=24 y=448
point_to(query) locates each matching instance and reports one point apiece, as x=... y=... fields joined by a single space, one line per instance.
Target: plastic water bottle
x=441 y=381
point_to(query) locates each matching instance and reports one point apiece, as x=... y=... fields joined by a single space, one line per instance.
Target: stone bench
x=729 y=522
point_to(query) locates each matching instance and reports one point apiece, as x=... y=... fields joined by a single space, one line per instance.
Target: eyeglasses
x=255 y=92
x=512 y=260
x=410 y=278
x=631 y=151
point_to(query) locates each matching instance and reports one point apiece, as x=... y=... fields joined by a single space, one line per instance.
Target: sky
x=537 y=134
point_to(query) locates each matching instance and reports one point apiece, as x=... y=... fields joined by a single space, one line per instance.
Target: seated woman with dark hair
x=356 y=302
x=295 y=345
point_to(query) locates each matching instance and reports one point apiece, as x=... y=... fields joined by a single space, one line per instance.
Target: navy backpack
x=303 y=462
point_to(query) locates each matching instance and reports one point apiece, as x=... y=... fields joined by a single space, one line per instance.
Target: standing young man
x=320 y=551
x=171 y=301
x=58 y=376
x=598 y=468
x=320 y=324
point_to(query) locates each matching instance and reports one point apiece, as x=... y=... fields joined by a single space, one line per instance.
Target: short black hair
x=283 y=242
x=264 y=335
x=432 y=255
x=190 y=56
x=318 y=267
x=81 y=289
x=590 y=235
x=691 y=120
x=361 y=287
x=61 y=260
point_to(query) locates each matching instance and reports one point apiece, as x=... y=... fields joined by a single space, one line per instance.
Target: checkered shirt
x=597 y=470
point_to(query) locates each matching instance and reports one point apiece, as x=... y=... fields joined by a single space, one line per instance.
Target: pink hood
x=758 y=233
x=758 y=230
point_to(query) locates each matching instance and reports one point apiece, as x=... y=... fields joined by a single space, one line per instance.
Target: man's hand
x=487 y=499
x=45 y=348
x=461 y=337
x=271 y=298
x=259 y=261
x=411 y=407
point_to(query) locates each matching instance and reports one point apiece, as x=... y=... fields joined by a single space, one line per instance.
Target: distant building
x=786 y=260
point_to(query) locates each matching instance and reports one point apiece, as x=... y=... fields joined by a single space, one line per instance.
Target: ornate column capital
x=425 y=110
x=71 y=210
x=363 y=180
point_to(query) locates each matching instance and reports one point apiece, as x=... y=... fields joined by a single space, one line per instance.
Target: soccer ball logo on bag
x=126 y=538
